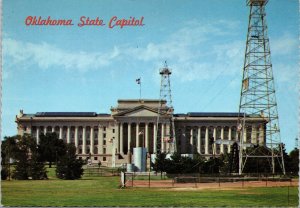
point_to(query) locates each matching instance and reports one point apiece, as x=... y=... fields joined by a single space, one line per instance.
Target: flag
x=138 y=81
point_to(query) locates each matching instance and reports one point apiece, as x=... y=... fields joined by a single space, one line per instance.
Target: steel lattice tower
x=166 y=141
x=258 y=91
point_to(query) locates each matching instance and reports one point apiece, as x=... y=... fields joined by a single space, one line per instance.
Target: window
x=80 y=158
x=95 y=158
x=104 y=150
x=104 y=158
x=95 y=150
x=113 y=130
x=104 y=135
x=104 y=142
x=104 y=128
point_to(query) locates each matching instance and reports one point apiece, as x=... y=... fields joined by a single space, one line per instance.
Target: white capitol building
x=133 y=123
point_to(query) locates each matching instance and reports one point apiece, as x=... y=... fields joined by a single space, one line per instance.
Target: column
x=261 y=134
x=137 y=135
x=162 y=138
x=245 y=134
x=191 y=141
x=253 y=135
x=229 y=137
x=53 y=129
x=121 y=138
x=60 y=132
x=92 y=140
x=168 y=134
x=222 y=138
x=214 y=144
x=37 y=134
x=146 y=137
x=83 y=140
x=154 y=139
x=100 y=140
x=129 y=137
x=183 y=140
x=76 y=138
x=45 y=130
x=199 y=140
x=68 y=134
x=206 y=141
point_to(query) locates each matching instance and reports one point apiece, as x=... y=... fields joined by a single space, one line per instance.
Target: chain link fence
x=196 y=180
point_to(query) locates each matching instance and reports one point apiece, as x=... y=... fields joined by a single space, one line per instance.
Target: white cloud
x=193 y=53
x=197 y=51
x=46 y=56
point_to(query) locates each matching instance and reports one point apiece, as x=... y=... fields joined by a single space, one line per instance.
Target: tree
x=182 y=164
x=159 y=163
x=292 y=165
x=213 y=165
x=23 y=150
x=26 y=146
x=177 y=164
x=51 y=147
x=37 y=169
x=259 y=164
x=68 y=167
x=8 y=149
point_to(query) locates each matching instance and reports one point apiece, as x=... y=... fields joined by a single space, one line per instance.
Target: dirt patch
x=201 y=186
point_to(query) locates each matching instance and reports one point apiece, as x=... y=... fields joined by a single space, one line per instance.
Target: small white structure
x=140 y=158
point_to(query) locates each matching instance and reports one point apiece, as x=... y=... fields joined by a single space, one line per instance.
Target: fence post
x=288 y=196
x=243 y=179
x=149 y=179
x=132 y=179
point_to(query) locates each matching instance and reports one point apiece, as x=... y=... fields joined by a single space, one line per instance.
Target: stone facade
x=110 y=138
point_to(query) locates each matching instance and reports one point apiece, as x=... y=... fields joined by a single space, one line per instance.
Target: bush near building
x=68 y=167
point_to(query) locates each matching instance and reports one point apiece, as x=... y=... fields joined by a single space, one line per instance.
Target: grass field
x=105 y=191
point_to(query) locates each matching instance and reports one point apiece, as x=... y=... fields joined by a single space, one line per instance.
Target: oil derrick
x=258 y=91
x=165 y=130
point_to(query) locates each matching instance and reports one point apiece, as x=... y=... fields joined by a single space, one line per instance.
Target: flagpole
x=140 y=90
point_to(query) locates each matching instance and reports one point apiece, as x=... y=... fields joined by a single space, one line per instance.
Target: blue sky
x=52 y=68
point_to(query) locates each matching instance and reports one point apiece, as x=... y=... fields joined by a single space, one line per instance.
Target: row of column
x=100 y=139
x=252 y=138
x=164 y=145
x=206 y=147
x=164 y=127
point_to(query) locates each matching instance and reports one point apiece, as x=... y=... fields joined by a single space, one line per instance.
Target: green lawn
x=104 y=191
